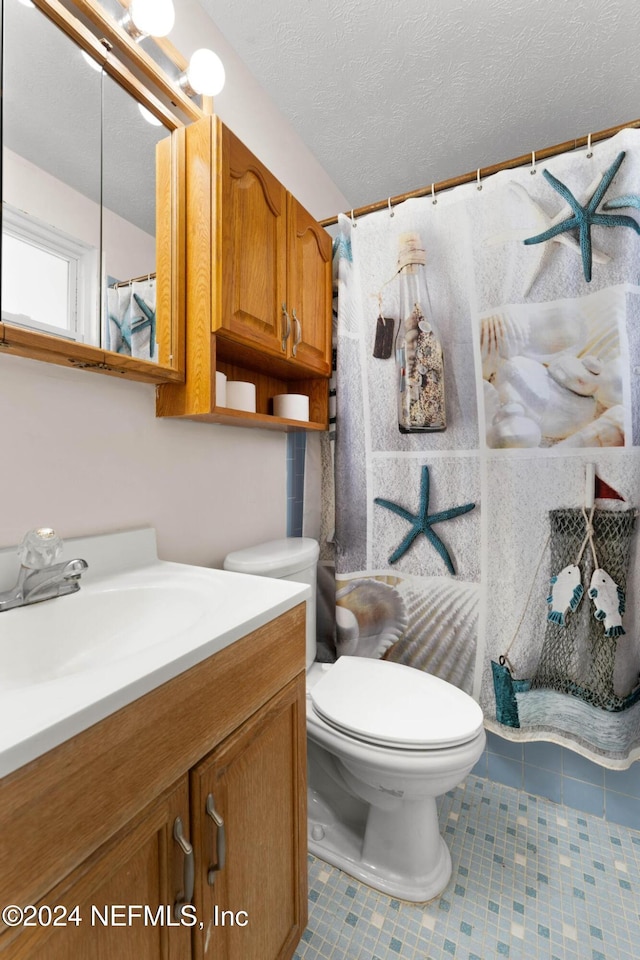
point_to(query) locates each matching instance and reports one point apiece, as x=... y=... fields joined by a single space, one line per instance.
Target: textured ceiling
x=393 y=96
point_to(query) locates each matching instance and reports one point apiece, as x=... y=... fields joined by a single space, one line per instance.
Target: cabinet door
x=253 y=250
x=143 y=866
x=254 y=906
x=309 y=288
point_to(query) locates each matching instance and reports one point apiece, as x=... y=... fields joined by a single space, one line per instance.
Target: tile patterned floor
x=532 y=880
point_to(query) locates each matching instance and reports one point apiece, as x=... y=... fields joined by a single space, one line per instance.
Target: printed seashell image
x=575 y=375
x=566 y=412
x=501 y=337
x=609 y=392
x=555 y=332
x=552 y=372
x=606 y=431
x=370 y=617
x=442 y=628
x=511 y=427
x=525 y=381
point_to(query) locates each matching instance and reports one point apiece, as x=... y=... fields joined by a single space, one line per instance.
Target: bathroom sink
x=135 y=623
x=103 y=623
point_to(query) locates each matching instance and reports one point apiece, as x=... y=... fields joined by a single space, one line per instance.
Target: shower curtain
x=131 y=319
x=541 y=342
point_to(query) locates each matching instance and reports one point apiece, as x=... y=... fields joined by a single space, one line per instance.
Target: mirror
x=50 y=179
x=130 y=135
x=78 y=194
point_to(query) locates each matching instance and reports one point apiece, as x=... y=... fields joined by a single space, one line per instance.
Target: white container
x=293 y=558
x=221 y=389
x=291 y=406
x=241 y=395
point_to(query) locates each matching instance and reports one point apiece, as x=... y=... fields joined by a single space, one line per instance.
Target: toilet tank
x=292 y=558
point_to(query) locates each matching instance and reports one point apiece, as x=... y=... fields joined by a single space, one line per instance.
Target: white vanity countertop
x=135 y=623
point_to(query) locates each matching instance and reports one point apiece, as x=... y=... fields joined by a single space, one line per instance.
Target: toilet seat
x=393 y=705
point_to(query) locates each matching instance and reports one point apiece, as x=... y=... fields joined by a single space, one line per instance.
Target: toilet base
x=342 y=846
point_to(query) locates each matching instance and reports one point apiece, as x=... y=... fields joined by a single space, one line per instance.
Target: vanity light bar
x=149 y=18
x=204 y=75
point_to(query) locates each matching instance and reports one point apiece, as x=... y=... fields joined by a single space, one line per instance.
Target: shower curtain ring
x=434 y=199
x=533 y=162
x=391 y=212
x=589 y=150
x=479 y=187
x=353 y=222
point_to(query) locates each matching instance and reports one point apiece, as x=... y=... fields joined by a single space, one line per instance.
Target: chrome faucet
x=38 y=577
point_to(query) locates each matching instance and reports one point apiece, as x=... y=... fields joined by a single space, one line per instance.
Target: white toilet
x=384 y=740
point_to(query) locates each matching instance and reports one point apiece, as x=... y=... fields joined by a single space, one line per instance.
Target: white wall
x=84 y=453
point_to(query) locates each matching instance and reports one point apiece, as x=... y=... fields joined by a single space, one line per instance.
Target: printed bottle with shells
x=419 y=357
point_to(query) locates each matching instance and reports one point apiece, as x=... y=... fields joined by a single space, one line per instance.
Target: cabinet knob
x=189 y=868
x=221 y=840
x=286 y=327
x=298 y=333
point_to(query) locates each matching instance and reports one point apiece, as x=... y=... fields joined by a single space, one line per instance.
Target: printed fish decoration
x=566 y=594
x=609 y=601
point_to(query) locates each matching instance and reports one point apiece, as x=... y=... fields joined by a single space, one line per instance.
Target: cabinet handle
x=298 y=336
x=286 y=322
x=221 y=840
x=189 y=868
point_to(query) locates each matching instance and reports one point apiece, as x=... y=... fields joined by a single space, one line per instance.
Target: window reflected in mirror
x=50 y=179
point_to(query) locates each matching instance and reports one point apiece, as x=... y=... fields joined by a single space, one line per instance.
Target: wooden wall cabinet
x=92 y=823
x=258 y=287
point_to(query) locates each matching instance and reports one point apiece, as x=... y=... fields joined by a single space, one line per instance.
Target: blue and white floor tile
x=532 y=880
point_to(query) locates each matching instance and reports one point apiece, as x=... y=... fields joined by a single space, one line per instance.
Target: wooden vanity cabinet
x=92 y=823
x=140 y=866
x=253 y=782
x=259 y=296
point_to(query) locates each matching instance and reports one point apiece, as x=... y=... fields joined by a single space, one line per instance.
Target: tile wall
x=548 y=770
x=296 y=446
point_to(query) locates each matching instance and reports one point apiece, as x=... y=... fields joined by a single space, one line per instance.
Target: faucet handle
x=39 y=548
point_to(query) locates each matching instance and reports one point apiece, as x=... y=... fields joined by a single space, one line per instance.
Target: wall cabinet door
x=253 y=248
x=276 y=264
x=142 y=866
x=255 y=782
x=309 y=290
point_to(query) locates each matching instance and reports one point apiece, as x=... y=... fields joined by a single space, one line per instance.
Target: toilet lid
x=394 y=705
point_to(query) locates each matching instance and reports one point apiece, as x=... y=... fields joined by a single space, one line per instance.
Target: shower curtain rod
x=484 y=172
x=127 y=283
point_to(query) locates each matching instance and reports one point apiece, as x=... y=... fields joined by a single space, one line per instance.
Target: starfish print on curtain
x=585 y=216
x=543 y=221
x=628 y=200
x=422 y=522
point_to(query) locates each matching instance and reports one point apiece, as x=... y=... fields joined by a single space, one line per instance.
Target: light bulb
x=149 y=117
x=153 y=18
x=204 y=75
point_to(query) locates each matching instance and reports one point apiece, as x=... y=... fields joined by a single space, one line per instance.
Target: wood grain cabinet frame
x=93 y=822
x=258 y=287
x=89 y=26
